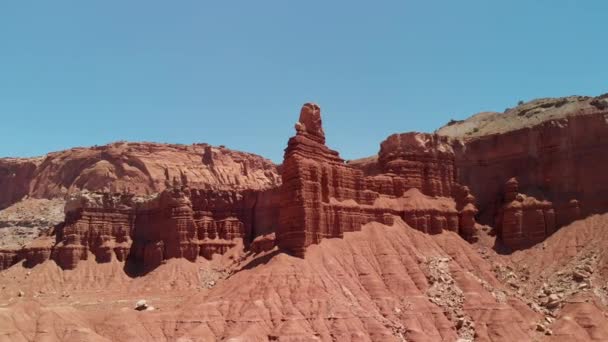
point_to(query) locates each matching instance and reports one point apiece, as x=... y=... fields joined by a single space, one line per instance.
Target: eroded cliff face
x=322 y=197
x=424 y=161
x=561 y=161
x=15 y=178
x=523 y=221
x=144 y=232
x=32 y=190
x=137 y=168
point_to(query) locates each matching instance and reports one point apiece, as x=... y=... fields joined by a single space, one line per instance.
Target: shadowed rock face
x=178 y=223
x=523 y=220
x=554 y=147
x=558 y=161
x=15 y=178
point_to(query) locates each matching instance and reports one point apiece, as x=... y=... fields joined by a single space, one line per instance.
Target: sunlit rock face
x=322 y=197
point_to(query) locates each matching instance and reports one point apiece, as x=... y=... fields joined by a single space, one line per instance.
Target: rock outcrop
x=178 y=223
x=16 y=174
x=373 y=259
x=523 y=220
x=322 y=197
x=424 y=161
x=8 y=257
x=138 y=168
x=33 y=189
x=554 y=147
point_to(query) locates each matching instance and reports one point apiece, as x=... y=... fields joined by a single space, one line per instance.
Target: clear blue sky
x=80 y=73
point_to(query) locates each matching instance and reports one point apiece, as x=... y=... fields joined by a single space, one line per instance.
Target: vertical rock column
x=313 y=175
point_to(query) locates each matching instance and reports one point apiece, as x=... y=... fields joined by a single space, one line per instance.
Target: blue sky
x=80 y=73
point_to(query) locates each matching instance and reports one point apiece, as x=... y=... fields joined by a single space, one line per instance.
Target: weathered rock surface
x=33 y=190
x=523 y=221
x=554 y=147
x=424 y=161
x=323 y=197
x=564 y=279
x=27 y=219
x=16 y=175
x=138 y=168
x=178 y=223
x=524 y=115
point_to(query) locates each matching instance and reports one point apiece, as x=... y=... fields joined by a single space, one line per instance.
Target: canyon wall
x=15 y=178
x=180 y=222
x=138 y=168
x=561 y=161
x=523 y=221
x=322 y=197
x=424 y=161
x=222 y=197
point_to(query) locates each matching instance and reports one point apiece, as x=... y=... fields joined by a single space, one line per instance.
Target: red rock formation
x=311 y=175
x=8 y=257
x=15 y=178
x=322 y=197
x=263 y=243
x=558 y=160
x=523 y=220
x=178 y=223
x=425 y=161
x=139 y=168
x=465 y=204
x=97 y=225
x=234 y=198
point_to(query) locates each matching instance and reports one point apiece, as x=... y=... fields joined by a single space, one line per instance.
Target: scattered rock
x=579 y=276
x=553 y=302
x=141 y=305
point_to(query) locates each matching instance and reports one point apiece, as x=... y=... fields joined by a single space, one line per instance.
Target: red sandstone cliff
x=15 y=177
x=144 y=232
x=226 y=187
x=138 y=168
x=322 y=197
x=554 y=147
x=377 y=254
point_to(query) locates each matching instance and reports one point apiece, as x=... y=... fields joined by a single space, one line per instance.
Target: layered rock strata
x=138 y=168
x=524 y=220
x=15 y=178
x=178 y=223
x=560 y=160
x=322 y=197
x=423 y=161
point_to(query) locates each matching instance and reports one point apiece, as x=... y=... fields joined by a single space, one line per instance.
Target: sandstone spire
x=310 y=122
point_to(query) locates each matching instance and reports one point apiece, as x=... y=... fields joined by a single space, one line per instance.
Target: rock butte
x=379 y=249
x=320 y=197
